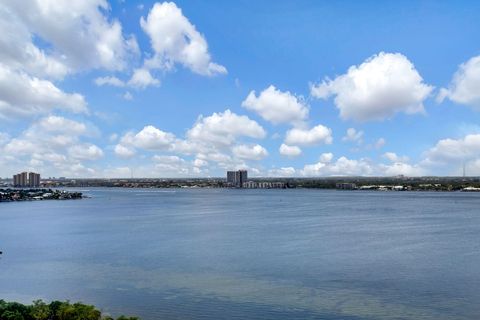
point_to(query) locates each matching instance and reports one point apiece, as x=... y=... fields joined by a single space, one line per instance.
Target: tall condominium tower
x=26 y=179
x=34 y=180
x=237 y=178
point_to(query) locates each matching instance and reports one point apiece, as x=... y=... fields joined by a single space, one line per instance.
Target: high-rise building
x=16 y=180
x=231 y=177
x=23 y=179
x=26 y=179
x=34 y=180
x=237 y=178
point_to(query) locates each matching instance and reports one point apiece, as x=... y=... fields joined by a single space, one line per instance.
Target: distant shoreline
x=397 y=183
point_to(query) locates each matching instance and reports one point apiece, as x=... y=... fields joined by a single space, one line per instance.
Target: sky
x=120 y=89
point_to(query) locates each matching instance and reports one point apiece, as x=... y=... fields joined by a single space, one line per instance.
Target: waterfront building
x=263 y=185
x=346 y=186
x=237 y=178
x=231 y=177
x=34 y=180
x=26 y=179
x=250 y=185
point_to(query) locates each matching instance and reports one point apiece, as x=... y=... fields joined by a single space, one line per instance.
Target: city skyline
x=281 y=89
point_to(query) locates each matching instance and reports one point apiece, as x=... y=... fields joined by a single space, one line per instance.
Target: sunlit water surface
x=248 y=254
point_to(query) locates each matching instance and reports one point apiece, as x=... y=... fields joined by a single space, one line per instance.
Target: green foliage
x=56 y=310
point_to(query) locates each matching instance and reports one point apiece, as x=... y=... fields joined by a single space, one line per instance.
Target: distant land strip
x=398 y=183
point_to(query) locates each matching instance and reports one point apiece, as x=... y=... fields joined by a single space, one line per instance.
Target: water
x=248 y=254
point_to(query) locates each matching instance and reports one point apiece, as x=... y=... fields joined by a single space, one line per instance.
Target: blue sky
x=282 y=88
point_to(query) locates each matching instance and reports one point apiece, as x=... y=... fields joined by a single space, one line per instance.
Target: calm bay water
x=248 y=254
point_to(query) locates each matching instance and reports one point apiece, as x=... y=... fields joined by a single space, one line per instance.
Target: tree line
x=55 y=310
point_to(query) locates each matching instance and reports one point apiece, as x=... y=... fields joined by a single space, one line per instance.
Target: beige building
x=26 y=179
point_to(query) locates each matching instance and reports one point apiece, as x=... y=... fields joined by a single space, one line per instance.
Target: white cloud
x=117 y=172
x=216 y=157
x=326 y=157
x=18 y=51
x=290 y=151
x=465 y=85
x=175 y=40
x=200 y=163
x=282 y=172
x=127 y=96
x=79 y=31
x=393 y=157
x=380 y=143
x=142 y=78
x=62 y=125
x=381 y=86
x=255 y=152
x=168 y=159
x=448 y=150
x=401 y=168
x=276 y=106
x=224 y=128
x=55 y=145
x=317 y=135
x=112 y=81
x=85 y=152
x=123 y=151
x=342 y=167
x=81 y=35
x=4 y=138
x=353 y=135
x=22 y=95
x=172 y=166
x=149 y=138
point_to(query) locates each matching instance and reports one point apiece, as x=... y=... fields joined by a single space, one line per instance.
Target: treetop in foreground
x=55 y=310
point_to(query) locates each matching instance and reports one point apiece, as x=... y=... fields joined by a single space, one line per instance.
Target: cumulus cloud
x=341 y=167
x=4 y=137
x=18 y=51
x=111 y=81
x=380 y=143
x=282 y=172
x=401 y=168
x=254 y=152
x=175 y=40
x=22 y=95
x=380 y=87
x=173 y=166
x=79 y=32
x=215 y=142
x=123 y=151
x=353 y=135
x=142 y=78
x=200 y=163
x=85 y=152
x=60 y=124
x=393 y=157
x=276 y=106
x=465 y=85
x=149 y=138
x=289 y=151
x=462 y=149
x=307 y=137
x=326 y=157
x=223 y=128
x=168 y=159
x=54 y=144
x=127 y=96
